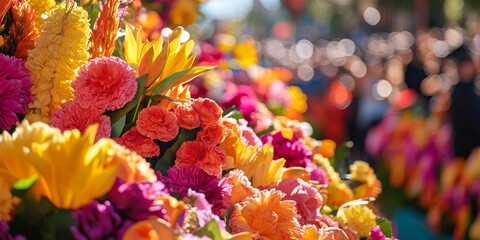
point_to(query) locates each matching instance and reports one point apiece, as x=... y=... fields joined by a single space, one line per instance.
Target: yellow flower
x=297 y=104
x=359 y=217
x=263 y=170
x=184 y=13
x=60 y=49
x=161 y=61
x=72 y=169
x=324 y=163
x=361 y=172
x=41 y=6
x=474 y=231
x=267 y=216
x=238 y=153
x=338 y=193
x=246 y=53
x=132 y=167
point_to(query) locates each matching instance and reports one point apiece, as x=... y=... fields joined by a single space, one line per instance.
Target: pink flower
x=14 y=90
x=136 y=142
x=307 y=198
x=106 y=83
x=196 y=154
x=186 y=117
x=158 y=123
x=72 y=115
x=208 y=110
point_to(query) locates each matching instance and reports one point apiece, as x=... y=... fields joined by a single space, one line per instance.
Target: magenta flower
x=292 y=150
x=98 y=221
x=203 y=209
x=217 y=191
x=243 y=98
x=317 y=174
x=136 y=201
x=377 y=234
x=14 y=90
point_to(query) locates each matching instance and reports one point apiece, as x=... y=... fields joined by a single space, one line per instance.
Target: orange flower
x=327 y=148
x=150 y=229
x=241 y=186
x=135 y=141
x=104 y=34
x=267 y=216
x=158 y=123
x=23 y=30
x=132 y=167
x=338 y=193
x=208 y=110
x=212 y=134
x=186 y=117
x=4 y=6
x=198 y=154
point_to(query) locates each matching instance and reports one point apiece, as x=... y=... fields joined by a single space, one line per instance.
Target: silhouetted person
x=465 y=104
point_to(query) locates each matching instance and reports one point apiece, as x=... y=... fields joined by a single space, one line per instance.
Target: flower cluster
x=114 y=146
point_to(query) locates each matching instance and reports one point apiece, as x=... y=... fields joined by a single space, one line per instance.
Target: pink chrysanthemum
x=106 y=83
x=14 y=90
x=136 y=142
x=72 y=115
x=158 y=123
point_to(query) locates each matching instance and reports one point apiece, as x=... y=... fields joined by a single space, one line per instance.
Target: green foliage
x=385 y=226
x=211 y=230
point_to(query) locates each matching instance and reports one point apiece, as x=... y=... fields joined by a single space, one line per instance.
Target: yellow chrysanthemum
x=161 y=61
x=267 y=216
x=60 y=49
x=72 y=170
x=359 y=217
x=41 y=6
x=263 y=170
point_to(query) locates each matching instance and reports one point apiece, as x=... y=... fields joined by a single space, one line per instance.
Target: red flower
x=136 y=142
x=186 y=117
x=212 y=134
x=158 y=123
x=208 y=110
x=198 y=154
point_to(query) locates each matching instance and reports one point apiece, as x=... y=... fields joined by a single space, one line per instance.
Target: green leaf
x=93 y=11
x=385 y=226
x=211 y=230
x=232 y=113
x=25 y=183
x=266 y=131
x=168 y=159
x=57 y=225
x=168 y=82
x=118 y=114
x=117 y=127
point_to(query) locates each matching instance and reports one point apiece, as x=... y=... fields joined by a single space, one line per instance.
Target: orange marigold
x=105 y=30
x=158 y=123
x=208 y=110
x=266 y=216
x=186 y=117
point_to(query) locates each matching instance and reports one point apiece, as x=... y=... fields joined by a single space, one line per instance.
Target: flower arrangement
x=427 y=171
x=113 y=146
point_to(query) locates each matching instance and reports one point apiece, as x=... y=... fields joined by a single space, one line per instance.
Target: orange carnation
x=136 y=142
x=186 y=117
x=241 y=186
x=208 y=110
x=158 y=123
x=212 y=134
x=266 y=216
x=198 y=154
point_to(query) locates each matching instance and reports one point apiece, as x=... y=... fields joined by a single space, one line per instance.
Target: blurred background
x=397 y=78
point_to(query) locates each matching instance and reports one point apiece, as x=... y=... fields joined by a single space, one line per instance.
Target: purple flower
x=203 y=209
x=5 y=232
x=317 y=174
x=14 y=90
x=243 y=97
x=292 y=150
x=216 y=190
x=377 y=234
x=136 y=201
x=98 y=221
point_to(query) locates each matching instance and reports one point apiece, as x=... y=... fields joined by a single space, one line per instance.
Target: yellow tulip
x=72 y=170
x=161 y=60
x=263 y=169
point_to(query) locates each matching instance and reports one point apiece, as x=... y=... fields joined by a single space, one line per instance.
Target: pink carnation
x=307 y=198
x=14 y=90
x=136 y=142
x=106 y=83
x=72 y=115
x=158 y=123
